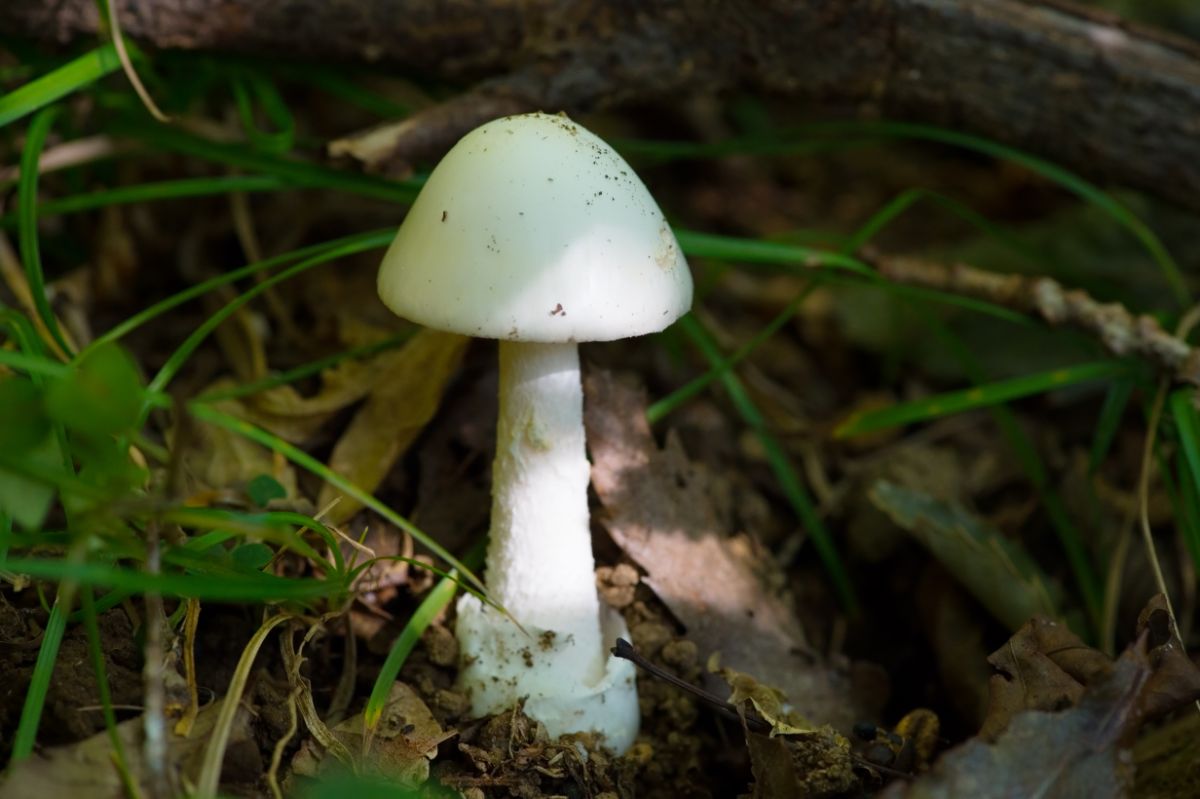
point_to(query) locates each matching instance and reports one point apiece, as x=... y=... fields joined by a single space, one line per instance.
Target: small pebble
x=441 y=645
x=680 y=653
x=452 y=703
x=650 y=636
x=617 y=584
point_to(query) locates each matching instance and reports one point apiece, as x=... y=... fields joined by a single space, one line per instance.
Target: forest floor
x=929 y=519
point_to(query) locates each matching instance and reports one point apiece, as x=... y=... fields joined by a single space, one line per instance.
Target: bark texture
x=1115 y=102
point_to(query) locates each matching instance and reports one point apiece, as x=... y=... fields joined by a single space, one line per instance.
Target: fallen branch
x=1105 y=98
x=1121 y=332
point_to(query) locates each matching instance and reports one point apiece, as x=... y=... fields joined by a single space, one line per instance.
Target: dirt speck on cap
x=665 y=256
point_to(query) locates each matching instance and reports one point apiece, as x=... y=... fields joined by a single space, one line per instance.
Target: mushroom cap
x=533 y=229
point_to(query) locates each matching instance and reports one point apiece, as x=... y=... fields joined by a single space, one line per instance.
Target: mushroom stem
x=540 y=565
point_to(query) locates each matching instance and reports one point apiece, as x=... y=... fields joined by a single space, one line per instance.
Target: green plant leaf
x=102 y=395
x=21 y=407
x=24 y=499
x=997 y=572
x=251 y=557
x=263 y=489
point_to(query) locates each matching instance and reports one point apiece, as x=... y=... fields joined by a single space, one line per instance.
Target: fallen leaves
x=87 y=768
x=1044 y=666
x=794 y=759
x=404 y=742
x=402 y=389
x=658 y=509
x=1063 y=718
x=1074 y=753
x=394 y=414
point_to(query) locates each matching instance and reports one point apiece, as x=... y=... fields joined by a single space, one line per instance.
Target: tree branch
x=1107 y=99
x=1121 y=332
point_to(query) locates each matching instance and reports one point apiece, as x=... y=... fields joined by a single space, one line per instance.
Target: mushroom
x=535 y=232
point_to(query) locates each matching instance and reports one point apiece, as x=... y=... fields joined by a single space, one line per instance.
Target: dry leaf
x=658 y=510
x=1083 y=751
x=769 y=703
x=404 y=743
x=1043 y=667
x=217 y=458
x=296 y=418
x=86 y=769
x=1080 y=753
x=1176 y=678
x=795 y=759
x=398 y=409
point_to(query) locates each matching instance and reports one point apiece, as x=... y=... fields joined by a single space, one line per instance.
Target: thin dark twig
x=754 y=723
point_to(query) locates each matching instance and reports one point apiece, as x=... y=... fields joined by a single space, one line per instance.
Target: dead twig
x=1120 y=331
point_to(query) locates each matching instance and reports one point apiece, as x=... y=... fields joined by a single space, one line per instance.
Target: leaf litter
x=1064 y=718
x=656 y=507
x=1041 y=668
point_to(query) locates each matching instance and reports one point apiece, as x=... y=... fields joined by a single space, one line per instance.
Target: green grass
x=158 y=191
x=76 y=74
x=27 y=192
x=985 y=395
x=785 y=472
x=1187 y=425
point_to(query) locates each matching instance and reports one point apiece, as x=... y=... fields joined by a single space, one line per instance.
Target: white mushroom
x=534 y=231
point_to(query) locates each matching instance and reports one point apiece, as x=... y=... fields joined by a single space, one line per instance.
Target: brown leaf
x=774 y=771
x=794 y=759
x=1080 y=752
x=86 y=768
x=295 y=418
x=404 y=743
x=769 y=703
x=1044 y=666
x=1176 y=678
x=397 y=410
x=658 y=510
x=216 y=458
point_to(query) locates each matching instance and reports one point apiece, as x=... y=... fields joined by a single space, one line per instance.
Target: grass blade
x=379 y=238
x=27 y=232
x=43 y=670
x=70 y=77
x=728 y=248
x=982 y=396
x=232 y=587
x=196 y=338
x=1187 y=422
x=302 y=172
x=1068 y=180
x=658 y=410
x=305 y=461
x=1115 y=403
x=793 y=488
x=157 y=191
x=1035 y=470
